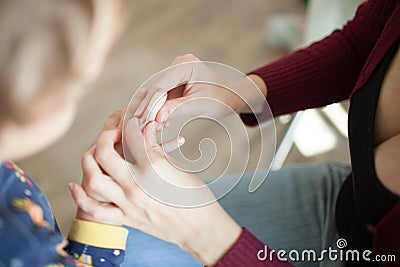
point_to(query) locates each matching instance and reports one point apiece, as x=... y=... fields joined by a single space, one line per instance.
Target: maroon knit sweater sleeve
x=250 y=251
x=326 y=71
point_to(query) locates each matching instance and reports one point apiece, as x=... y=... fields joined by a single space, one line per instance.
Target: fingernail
x=136 y=113
x=164 y=116
x=71 y=186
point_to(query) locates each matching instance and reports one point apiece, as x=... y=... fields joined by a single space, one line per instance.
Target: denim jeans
x=292 y=210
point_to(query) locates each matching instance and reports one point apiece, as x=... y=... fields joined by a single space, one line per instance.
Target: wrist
x=213 y=239
x=254 y=93
x=84 y=216
x=259 y=82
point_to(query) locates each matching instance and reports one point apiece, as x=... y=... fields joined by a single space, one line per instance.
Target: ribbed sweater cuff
x=286 y=80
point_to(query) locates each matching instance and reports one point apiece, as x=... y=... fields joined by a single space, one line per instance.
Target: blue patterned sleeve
x=29 y=235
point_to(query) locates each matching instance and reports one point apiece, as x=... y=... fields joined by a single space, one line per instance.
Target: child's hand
x=91 y=208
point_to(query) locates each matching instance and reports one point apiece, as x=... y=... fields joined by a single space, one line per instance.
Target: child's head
x=50 y=51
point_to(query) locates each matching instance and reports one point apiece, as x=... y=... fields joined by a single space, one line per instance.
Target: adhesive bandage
x=156 y=102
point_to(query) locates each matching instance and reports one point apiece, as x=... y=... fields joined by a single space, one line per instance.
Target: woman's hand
x=206 y=232
x=176 y=83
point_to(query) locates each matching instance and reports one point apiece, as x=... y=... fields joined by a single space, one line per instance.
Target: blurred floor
x=227 y=31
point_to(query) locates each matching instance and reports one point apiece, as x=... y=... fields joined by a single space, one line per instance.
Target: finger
x=108 y=146
x=124 y=179
x=151 y=139
x=115 y=167
x=173 y=144
x=150 y=134
x=152 y=109
x=89 y=165
x=175 y=76
x=134 y=140
x=185 y=58
x=113 y=120
x=103 y=189
x=97 y=185
x=112 y=163
x=80 y=197
x=112 y=138
x=97 y=211
x=137 y=99
x=177 y=107
x=179 y=73
x=154 y=95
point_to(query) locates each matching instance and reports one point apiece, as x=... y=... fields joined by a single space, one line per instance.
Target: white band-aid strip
x=156 y=103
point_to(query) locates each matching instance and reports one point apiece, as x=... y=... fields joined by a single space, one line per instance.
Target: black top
x=363 y=200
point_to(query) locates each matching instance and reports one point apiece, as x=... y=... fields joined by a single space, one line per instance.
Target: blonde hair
x=41 y=43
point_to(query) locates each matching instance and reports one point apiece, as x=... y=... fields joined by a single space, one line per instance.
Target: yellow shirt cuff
x=98 y=235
